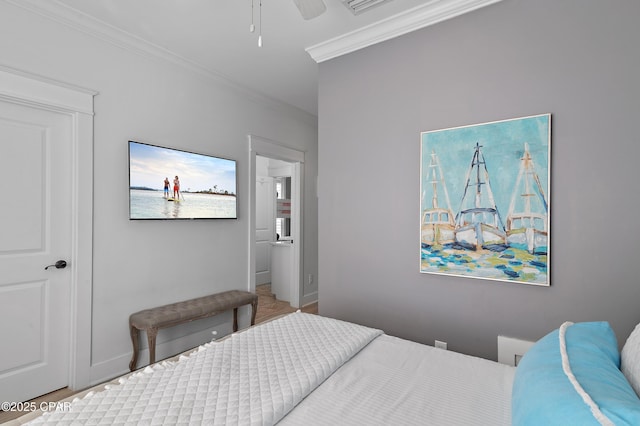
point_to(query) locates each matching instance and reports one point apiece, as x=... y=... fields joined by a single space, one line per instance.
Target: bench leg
x=151 y=338
x=254 y=309
x=235 y=319
x=134 y=339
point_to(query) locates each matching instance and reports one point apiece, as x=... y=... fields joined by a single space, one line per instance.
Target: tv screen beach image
x=166 y=183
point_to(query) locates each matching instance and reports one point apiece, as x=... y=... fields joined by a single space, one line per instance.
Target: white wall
x=575 y=59
x=139 y=264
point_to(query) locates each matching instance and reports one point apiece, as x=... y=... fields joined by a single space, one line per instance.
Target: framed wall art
x=484 y=200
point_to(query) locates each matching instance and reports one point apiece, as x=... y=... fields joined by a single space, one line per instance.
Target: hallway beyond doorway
x=270 y=307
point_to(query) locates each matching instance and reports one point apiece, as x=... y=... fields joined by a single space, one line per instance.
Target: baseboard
x=171 y=341
x=310 y=298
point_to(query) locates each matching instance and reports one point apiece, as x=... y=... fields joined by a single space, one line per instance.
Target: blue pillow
x=544 y=395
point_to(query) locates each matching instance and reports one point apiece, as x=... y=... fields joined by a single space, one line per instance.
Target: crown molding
x=419 y=17
x=66 y=15
x=73 y=18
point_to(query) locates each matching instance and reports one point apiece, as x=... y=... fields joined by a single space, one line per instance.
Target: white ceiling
x=214 y=35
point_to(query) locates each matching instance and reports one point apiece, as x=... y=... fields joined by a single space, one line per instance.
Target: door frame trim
x=259 y=145
x=36 y=91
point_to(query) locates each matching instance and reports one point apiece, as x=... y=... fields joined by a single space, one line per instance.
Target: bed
x=311 y=370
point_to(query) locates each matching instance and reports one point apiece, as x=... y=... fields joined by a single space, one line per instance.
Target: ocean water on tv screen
x=146 y=204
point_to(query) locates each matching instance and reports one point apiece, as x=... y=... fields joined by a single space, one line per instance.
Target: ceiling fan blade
x=310 y=9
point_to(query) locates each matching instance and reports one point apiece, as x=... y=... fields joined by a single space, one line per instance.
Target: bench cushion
x=201 y=307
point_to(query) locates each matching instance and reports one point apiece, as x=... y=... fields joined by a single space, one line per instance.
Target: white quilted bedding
x=397 y=382
x=253 y=377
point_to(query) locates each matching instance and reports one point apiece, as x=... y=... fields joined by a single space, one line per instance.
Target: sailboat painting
x=484 y=200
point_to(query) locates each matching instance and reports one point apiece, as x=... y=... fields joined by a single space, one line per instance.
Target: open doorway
x=276 y=171
x=274 y=240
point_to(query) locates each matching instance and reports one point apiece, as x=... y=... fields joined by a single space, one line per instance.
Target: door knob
x=60 y=264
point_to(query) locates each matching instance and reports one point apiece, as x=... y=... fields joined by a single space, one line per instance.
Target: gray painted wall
x=577 y=60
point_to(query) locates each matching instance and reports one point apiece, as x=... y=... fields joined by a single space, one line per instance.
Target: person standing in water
x=176 y=188
x=166 y=187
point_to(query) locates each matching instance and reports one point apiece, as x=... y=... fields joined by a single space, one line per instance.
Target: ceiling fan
x=310 y=9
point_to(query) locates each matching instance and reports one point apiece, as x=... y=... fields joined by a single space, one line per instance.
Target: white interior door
x=35 y=231
x=265 y=227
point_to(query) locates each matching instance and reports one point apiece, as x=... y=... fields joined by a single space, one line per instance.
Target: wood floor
x=268 y=307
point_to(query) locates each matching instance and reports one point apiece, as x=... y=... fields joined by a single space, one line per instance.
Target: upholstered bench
x=151 y=320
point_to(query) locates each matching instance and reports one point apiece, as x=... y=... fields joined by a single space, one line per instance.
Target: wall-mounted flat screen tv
x=168 y=183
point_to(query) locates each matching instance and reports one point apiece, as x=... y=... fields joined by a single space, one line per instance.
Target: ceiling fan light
x=252 y=27
x=310 y=9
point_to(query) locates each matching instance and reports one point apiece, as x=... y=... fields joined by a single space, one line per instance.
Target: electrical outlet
x=310 y=279
x=441 y=345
